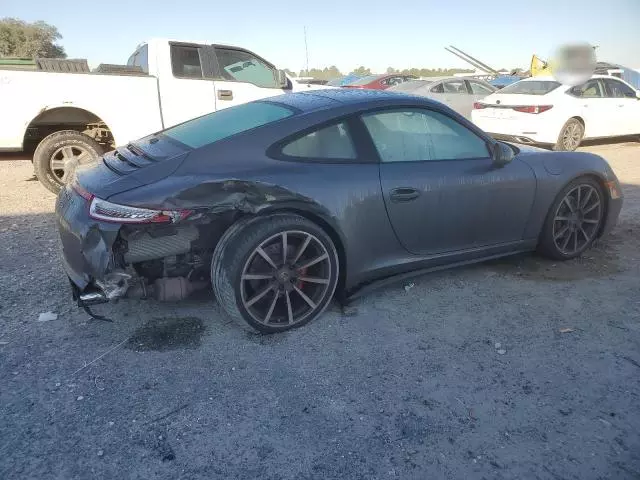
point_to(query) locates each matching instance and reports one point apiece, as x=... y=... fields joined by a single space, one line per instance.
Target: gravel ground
x=519 y=368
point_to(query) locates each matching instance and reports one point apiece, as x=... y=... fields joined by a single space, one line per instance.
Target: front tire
x=571 y=136
x=58 y=154
x=574 y=220
x=276 y=272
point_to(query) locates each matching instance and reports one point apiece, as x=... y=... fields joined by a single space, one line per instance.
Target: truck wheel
x=570 y=136
x=58 y=154
x=275 y=272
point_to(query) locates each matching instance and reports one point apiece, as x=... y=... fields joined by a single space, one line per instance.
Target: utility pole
x=306 y=50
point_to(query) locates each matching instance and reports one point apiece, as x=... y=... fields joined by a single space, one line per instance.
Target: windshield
x=531 y=87
x=216 y=126
x=365 y=80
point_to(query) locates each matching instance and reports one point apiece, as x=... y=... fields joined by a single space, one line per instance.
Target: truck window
x=185 y=62
x=140 y=58
x=241 y=66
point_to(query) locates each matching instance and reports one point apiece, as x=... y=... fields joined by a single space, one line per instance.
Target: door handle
x=621 y=105
x=225 y=94
x=404 y=194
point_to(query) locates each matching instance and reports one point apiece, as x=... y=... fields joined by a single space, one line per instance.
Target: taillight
x=113 y=212
x=533 y=108
x=479 y=106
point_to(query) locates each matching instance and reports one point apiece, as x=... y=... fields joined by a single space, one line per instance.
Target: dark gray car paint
x=235 y=174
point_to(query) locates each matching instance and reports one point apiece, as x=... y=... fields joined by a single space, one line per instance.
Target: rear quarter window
x=219 y=125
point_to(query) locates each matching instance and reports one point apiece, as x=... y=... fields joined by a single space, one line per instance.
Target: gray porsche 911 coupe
x=280 y=204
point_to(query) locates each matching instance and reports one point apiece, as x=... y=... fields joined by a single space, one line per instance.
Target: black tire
x=571 y=135
x=237 y=251
x=83 y=148
x=550 y=244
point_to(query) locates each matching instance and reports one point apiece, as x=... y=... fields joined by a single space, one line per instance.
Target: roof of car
x=322 y=98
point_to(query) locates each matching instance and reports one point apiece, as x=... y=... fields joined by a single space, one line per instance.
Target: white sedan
x=540 y=110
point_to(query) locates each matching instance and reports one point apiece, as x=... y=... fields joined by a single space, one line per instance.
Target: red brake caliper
x=301 y=273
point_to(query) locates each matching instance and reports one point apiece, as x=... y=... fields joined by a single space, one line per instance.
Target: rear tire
x=571 y=135
x=58 y=154
x=574 y=220
x=277 y=292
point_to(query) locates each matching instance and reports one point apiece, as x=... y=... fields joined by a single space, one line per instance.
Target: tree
x=21 y=39
x=361 y=71
x=391 y=70
x=326 y=73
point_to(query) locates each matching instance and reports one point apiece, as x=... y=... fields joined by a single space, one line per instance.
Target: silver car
x=456 y=92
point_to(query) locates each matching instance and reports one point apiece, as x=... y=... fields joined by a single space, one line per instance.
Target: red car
x=380 y=82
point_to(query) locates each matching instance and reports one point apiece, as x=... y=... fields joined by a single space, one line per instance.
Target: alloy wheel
x=65 y=159
x=577 y=219
x=286 y=278
x=572 y=136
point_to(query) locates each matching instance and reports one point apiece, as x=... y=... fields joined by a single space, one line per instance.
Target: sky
x=347 y=33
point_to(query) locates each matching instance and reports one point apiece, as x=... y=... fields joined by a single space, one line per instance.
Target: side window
x=332 y=142
x=140 y=59
x=241 y=66
x=591 y=89
x=437 y=89
x=422 y=135
x=479 y=89
x=455 y=86
x=185 y=62
x=617 y=89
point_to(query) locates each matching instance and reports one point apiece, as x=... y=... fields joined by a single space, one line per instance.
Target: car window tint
x=185 y=62
x=479 y=89
x=590 y=89
x=422 y=135
x=218 y=125
x=437 y=89
x=332 y=142
x=617 y=89
x=455 y=86
x=242 y=66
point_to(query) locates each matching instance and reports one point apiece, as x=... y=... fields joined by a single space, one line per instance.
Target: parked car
x=342 y=81
x=540 y=110
x=380 y=82
x=74 y=117
x=455 y=92
x=279 y=204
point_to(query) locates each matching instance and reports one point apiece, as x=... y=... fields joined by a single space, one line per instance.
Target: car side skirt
x=444 y=262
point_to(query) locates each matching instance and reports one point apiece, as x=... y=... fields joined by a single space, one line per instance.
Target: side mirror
x=283 y=80
x=501 y=154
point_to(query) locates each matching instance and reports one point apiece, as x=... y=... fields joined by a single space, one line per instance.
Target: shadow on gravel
x=170 y=333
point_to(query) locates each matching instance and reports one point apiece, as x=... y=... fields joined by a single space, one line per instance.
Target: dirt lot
x=408 y=384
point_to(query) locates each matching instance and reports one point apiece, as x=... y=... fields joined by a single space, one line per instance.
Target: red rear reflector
x=533 y=108
x=82 y=192
x=478 y=105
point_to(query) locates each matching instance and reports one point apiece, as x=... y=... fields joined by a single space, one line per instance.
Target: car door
x=442 y=191
x=596 y=109
x=627 y=118
x=187 y=91
x=242 y=76
x=454 y=94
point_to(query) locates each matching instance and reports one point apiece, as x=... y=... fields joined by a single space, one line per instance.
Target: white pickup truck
x=74 y=117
